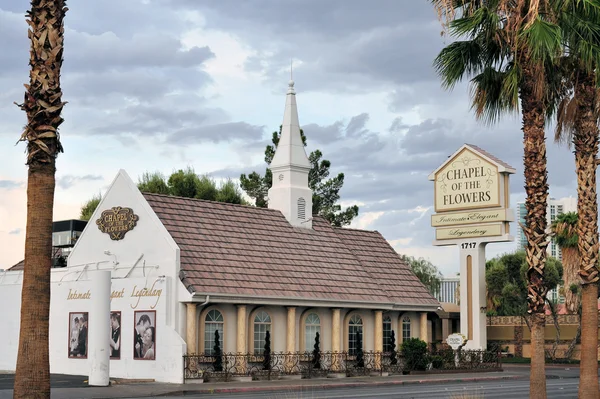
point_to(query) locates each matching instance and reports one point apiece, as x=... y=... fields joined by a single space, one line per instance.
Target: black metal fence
x=306 y=365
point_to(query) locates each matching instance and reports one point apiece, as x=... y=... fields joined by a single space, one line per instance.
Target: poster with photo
x=144 y=335
x=78 y=335
x=115 y=335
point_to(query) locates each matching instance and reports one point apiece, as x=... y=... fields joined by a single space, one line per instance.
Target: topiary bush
x=393 y=360
x=316 y=355
x=360 y=359
x=267 y=352
x=415 y=354
x=218 y=362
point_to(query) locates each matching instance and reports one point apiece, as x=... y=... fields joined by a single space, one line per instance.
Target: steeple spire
x=290 y=150
x=290 y=166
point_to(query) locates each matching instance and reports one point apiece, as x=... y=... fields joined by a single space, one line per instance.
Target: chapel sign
x=471 y=197
x=471 y=201
x=117 y=221
x=469 y=181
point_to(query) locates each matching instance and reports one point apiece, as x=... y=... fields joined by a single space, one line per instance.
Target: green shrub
x=415 y=354
x=437 y=362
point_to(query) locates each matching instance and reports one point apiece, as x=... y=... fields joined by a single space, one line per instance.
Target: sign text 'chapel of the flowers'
x=467 y=182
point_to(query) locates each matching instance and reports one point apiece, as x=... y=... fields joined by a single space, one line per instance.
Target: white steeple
x=290 y=193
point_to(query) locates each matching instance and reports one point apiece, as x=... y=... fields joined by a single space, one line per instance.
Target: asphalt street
x=557 y=388
x=56 y=381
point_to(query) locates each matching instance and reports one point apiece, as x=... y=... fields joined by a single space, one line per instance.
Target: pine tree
x=325 y=189
x=360 y=359
x=183 y=183
x=316 y=355
x=218 y=362
x=267 y=352
x=393 y=360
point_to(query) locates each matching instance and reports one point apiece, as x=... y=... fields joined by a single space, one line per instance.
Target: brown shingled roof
x=56 y=252
x=17 y=266
x=243 y=250
x=490 y=156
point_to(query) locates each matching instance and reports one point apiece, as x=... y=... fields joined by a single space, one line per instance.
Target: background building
x=448 y=291
x=555 y=208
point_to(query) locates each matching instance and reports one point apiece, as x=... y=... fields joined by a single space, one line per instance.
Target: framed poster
x=144 y=335
x=78 y=335
x=115 y=335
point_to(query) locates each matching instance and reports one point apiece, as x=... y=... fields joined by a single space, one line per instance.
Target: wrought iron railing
x=448 y=359
x=307 y=365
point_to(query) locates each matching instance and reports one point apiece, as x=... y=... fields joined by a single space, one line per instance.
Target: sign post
x=471 y=198
x=456 y=342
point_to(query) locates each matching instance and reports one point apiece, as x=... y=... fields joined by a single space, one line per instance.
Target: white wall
x=170 y=347
x=10 y=314
x=146 y=255
x=148 y=247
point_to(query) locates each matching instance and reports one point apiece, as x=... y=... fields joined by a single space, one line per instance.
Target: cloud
x=10 y=184
x=159 y=85
x=240 y=131
x=15 y=231
x=68 y=181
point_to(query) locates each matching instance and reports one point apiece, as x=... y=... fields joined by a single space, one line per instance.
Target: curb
x=335 y=385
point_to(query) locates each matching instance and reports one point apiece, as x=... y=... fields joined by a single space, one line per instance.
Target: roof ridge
x=207 y=201
x=353 y=229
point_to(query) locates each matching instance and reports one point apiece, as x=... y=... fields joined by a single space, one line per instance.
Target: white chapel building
x=182 y=268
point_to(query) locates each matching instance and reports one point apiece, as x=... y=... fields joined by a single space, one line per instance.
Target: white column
x=472 y=296
x=191 y=330
x=99 y=329
x=423 y=327
x=290 y=345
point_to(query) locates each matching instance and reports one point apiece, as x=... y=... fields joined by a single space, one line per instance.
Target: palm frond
x=457 y=60
x=494 y=93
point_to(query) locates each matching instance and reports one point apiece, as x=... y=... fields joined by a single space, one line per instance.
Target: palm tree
x=43 y=105
x=578 y=113
x=564 y=229
x=509 y=53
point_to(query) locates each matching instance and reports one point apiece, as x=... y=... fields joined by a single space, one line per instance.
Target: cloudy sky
x=165 y=84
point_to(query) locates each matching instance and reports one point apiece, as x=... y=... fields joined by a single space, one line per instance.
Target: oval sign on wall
x=456 y=341
x=117 y=221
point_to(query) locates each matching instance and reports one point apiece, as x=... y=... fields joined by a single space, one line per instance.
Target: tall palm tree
x=509 y=51
x=577 y=122
x=564 y=229
x=43 y=105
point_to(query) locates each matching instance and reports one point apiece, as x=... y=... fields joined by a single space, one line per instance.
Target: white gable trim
x=140 y=198
x=501 y=168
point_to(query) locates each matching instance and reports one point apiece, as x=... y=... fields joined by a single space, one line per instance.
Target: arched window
x=405 y=328
x=387 y=334
x=312 y=326
x=355 y=333
x=262 y=324
x=212 y=322
x=301 y=208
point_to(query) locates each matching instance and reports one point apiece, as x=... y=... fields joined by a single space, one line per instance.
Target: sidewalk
x=125 y=390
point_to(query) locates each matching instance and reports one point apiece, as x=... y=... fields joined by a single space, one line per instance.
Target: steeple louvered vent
x=301 y=208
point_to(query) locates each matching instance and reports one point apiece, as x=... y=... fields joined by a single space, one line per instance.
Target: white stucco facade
x=144 y=270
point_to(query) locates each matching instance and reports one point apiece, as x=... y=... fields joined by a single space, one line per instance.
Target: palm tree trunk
x=537 y=378
x=570 y=261
x=585 y=141
x=43 y=105
x=32 y=379
x=536 y=188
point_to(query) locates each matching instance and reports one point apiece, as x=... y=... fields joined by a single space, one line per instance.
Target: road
x=557 y=388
